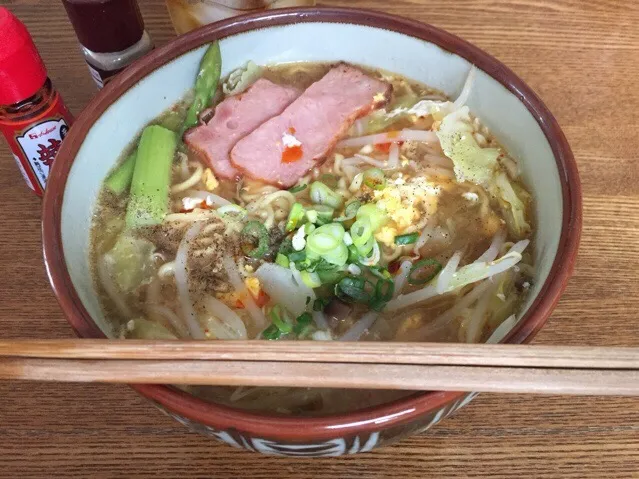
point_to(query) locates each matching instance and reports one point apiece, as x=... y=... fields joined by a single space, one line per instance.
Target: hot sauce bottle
x=33 y=117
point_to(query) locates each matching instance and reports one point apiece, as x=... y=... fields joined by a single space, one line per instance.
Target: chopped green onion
x=303 y=322
x=279 y=320
x=320 y=303
x=320 y=214
x=355 y=290
x=312 y=280
x=375 y=215
x=309 y=228
x=350 y=211
x=282 y=260
x=296 y=256
x=380 y=272
x=374 y=178
x=149 y=192
x=353 y=254
x=321 y=242
x=361 y=232
x=338 y=256
x=384 y=290
x=295 y=216
x=429 y=266
x=297 y=188
x=408 y=238
x=254 y=232
x=323 y=195
x=272 y=333
x=331 y=276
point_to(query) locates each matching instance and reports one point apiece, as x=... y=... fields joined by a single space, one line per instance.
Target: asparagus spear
x=206 y=83
x=149 y=196
x=120 y=179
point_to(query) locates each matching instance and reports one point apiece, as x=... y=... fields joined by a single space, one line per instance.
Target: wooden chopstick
x=578 y=370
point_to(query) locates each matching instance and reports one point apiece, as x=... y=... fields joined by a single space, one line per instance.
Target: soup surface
x=314 y=202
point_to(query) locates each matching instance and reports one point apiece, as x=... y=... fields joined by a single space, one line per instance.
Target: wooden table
x=582 y=57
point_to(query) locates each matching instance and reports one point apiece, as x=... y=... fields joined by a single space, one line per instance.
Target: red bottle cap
x=22 y=72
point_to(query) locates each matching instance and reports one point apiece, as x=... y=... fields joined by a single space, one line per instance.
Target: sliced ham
x=284 y=148
x=234 y=118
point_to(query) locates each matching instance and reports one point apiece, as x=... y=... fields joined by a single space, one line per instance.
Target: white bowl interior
x=499 y=109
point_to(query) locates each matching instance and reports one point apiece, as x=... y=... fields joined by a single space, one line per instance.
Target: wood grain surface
x=582 y=57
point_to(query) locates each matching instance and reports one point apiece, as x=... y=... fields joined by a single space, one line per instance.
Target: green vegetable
x=303 y=322
x=323 y=195
x=320 y=214
x=380 y=272
x=362 y=235
x=384 y=289
x=206 y=83
x=374 y=178
x=350 y=211
x=295 y=216
x=120 y=179
x=327 y=242
x=282 y=260
x=338 y=256
x=331 y=276
x=355 y=289
x=312 y=280
x=408 y=238
x=254 y=233
x=297 y=188
x=321 y=243
x=279 y=319
x=471 y=162
x=149 y=193
x=320 y=303
x=427 y=268
x=361 y=232
x=353 y=254
x=297 y=256
x=272 y=333
x=375 y=215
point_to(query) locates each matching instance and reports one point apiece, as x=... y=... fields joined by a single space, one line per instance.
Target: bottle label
x=36 y=141
x=24 y=172
x=102 y=77
x=40 y=143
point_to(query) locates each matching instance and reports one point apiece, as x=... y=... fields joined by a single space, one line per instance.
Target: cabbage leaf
x=242 y=78
x=513 y=207
x=472 y=163
x=130 y=262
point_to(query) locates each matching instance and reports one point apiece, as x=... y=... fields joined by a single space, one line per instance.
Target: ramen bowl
x=512 y=111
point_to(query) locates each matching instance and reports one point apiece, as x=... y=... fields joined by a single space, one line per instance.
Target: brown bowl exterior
x=338 y=434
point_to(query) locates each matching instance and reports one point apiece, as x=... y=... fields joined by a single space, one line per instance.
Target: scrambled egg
x=231 y=299
x=405 y=202
x=209 y=180
x=253 y=285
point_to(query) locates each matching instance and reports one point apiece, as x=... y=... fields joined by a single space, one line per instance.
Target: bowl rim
x=365 y=421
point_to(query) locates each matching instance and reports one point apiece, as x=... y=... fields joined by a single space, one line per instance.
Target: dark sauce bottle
x=111 y=33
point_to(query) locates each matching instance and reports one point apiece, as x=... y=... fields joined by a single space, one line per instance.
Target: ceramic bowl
x=515 y=114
